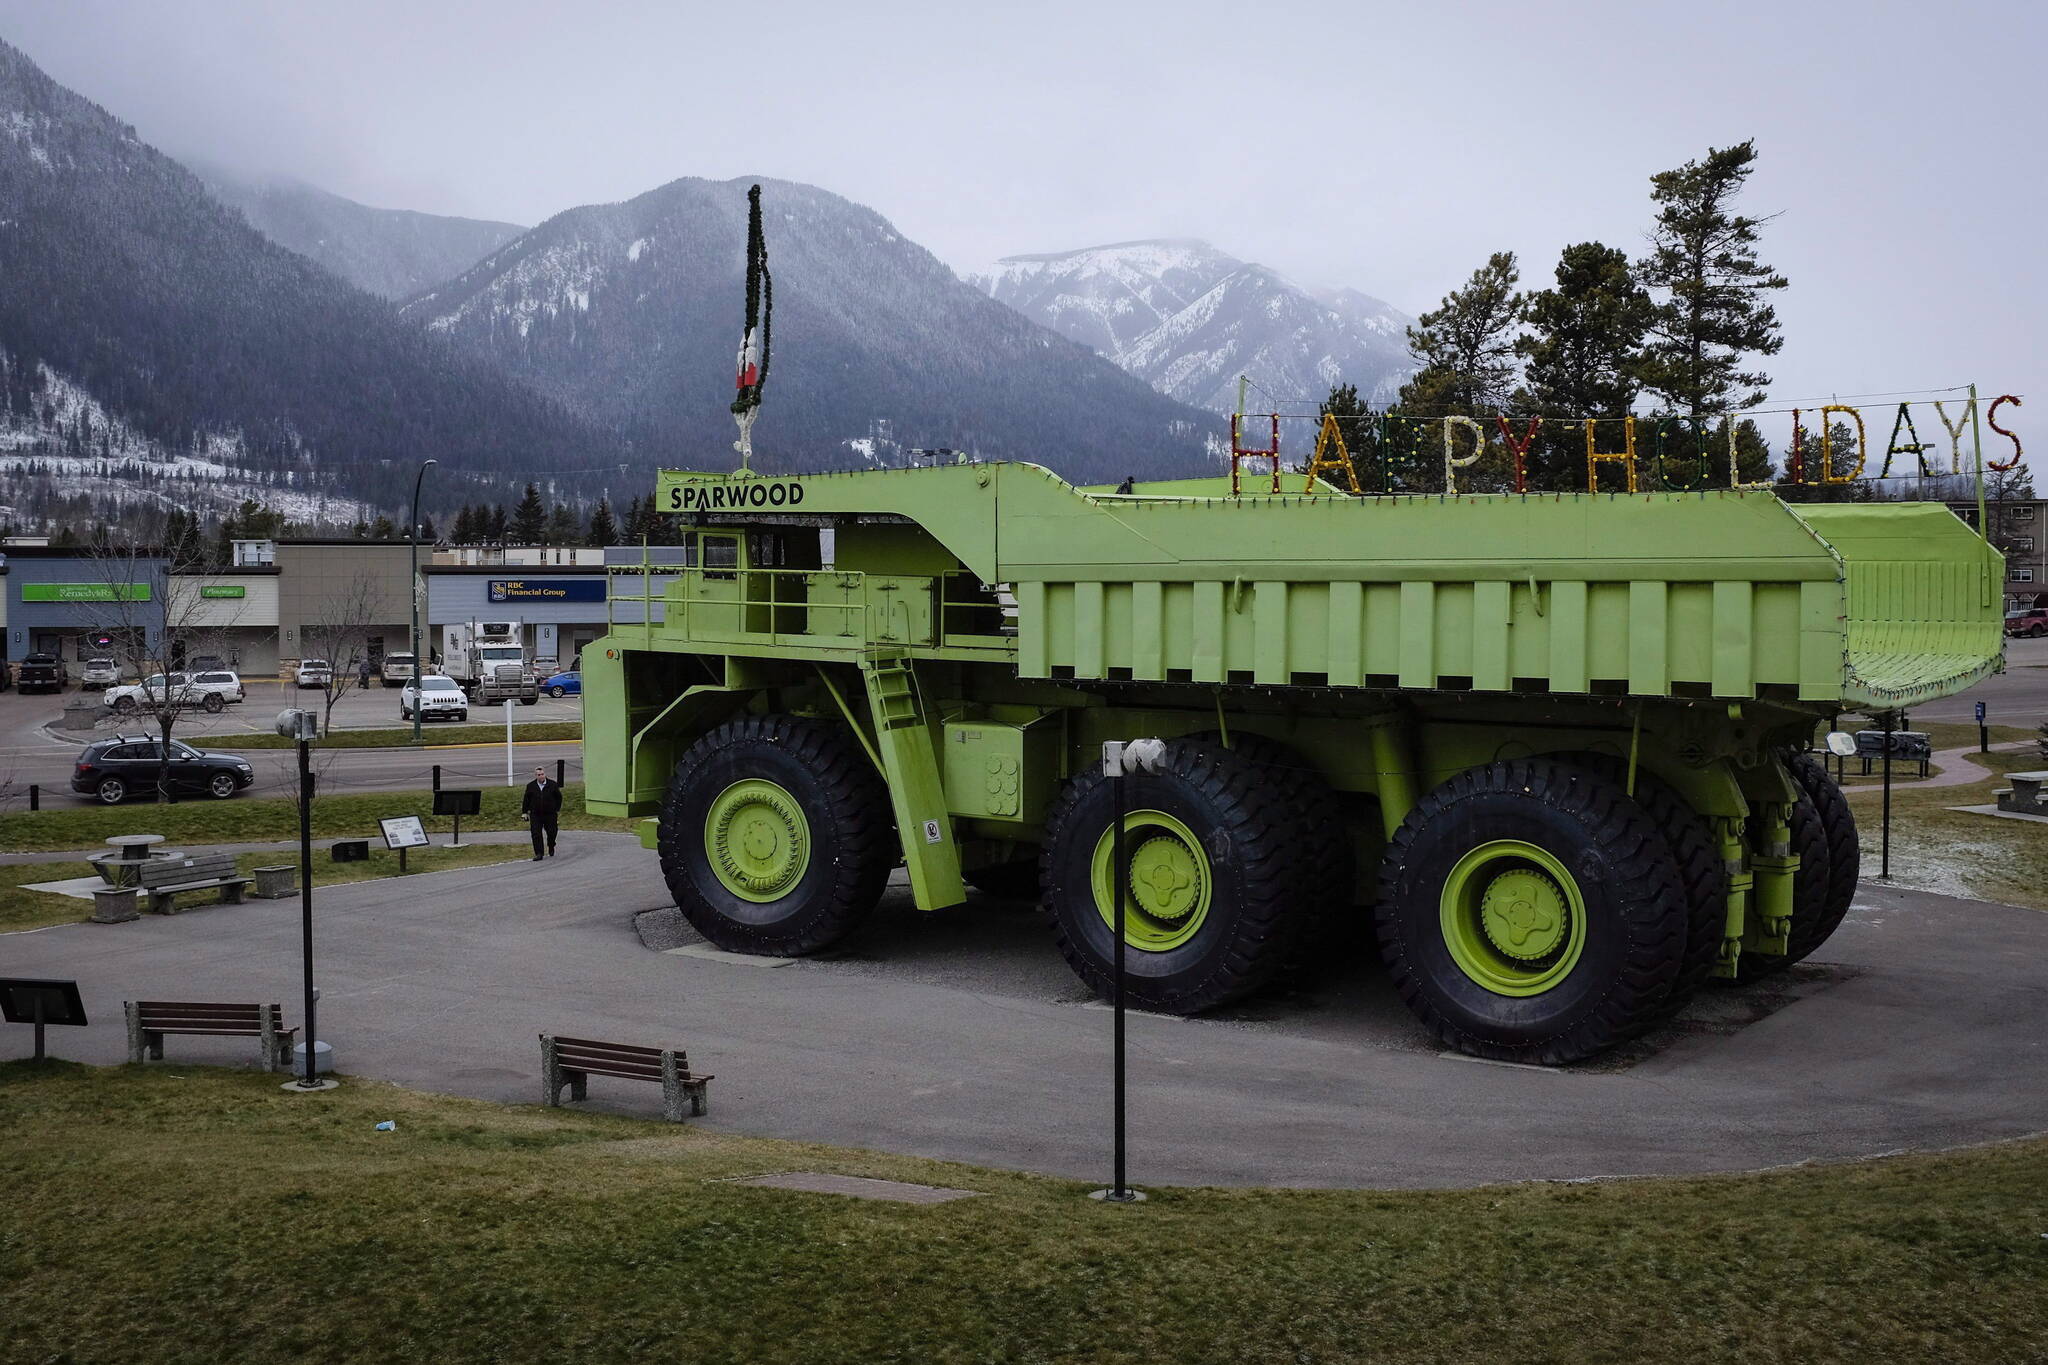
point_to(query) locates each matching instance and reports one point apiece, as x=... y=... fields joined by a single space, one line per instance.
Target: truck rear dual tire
x=1220 y=880
x=1531 y=911
x=776 y=835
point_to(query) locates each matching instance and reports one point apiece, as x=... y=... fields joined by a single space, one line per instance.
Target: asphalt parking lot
x=1922 y=1024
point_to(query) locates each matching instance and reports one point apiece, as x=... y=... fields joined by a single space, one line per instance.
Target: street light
x=412 y=540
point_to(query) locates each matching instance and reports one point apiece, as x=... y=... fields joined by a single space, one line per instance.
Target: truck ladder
x=915 y=790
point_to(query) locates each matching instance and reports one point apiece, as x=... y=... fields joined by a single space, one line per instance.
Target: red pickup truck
x=2031 y=622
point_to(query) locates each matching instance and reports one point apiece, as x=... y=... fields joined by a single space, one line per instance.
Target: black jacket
x=541 y=800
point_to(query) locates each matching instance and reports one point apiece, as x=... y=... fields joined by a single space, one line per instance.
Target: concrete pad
x=78 y=888
x=859 y=1187
x=1921 y=1025
x=2002 y=814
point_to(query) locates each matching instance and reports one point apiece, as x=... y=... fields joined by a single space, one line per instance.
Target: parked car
x=564 y=685
x=111 y=770
x=398 y=669
x=434 y=698
x=42 y=673
x=2031 y=622
x=99 y=674
x=222 y=682
x=313 y=673
x=150 y=694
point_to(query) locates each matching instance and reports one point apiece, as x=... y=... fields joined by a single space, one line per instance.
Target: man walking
x=541 y=804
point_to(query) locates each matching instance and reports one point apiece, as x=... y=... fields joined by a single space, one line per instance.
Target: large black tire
x=826 y=780
x=1844 y=850
x=1631 y=941
x=1332 y=924
x=1258 y=885
x=1700 y=870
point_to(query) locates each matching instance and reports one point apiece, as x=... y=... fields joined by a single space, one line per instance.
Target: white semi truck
x=489 y=659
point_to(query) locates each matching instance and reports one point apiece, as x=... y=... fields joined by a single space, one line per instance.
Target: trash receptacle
x=275 y=883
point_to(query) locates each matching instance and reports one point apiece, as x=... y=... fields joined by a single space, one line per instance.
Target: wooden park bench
x=573 y=1061
x=163 y=880
x=150 y=1020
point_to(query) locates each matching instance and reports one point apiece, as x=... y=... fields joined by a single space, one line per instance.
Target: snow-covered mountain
x=393 y=252
x=156 y=350
x=630 y=314
x=1189 y=319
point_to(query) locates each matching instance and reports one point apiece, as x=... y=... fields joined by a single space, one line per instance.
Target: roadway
x=31 y=753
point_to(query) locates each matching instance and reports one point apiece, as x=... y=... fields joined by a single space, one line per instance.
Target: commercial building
x=75 y=604
x=2019 y=527
x=336 y=596
x=559 y=607
x=278 y=601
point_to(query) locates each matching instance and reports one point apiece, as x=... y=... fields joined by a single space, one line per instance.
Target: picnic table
x=134 y=847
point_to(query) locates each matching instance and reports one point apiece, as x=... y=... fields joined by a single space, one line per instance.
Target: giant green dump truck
x=1547 y=752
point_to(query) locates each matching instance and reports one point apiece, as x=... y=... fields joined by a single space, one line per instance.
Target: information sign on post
x=402 y=832
x=458 y=802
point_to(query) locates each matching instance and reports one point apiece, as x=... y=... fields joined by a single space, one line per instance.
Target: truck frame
x=1547 y=752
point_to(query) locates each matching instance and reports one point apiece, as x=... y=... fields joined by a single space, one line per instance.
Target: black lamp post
x=412 y=537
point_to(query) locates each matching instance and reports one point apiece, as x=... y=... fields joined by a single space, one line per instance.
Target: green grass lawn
x=181 y=1213
x=532 y=733
x=24 y=909
x=196 y=822
x=1957 y=852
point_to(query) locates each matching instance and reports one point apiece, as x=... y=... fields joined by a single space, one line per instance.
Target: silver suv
x=100 y=674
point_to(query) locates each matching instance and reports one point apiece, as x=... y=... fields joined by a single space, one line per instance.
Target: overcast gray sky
x=1387 y=147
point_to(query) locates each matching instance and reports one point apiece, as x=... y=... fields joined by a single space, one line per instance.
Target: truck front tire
x=776 y=836
x=1530 y=911
x=1220 y=882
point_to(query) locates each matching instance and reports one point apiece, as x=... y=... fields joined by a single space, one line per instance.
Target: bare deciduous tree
x=153 y=610
x=340 y=633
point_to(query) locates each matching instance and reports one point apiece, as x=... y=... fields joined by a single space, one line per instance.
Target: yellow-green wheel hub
x=1513 y=917
x=757 y=839
x=1168 y=894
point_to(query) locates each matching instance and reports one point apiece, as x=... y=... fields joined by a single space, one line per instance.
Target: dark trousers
x=542 y=826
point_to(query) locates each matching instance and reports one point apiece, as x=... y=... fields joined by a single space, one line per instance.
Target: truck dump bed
x=1716 y=594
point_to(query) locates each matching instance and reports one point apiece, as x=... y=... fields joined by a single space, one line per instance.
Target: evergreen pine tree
x=1466 y=347
x=603 y=530
x=1355 y=424
x=1703 y=263
x=530 y=518
x=466 y=532
x=496 y=526
x=1584 y=335
x=382 y=529
x=562 y=528
x=426 y=530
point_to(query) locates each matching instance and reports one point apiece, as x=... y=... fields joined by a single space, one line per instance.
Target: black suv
x=41 y=673
x=111 y=770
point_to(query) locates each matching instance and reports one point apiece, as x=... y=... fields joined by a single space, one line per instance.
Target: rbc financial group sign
x=547 y=590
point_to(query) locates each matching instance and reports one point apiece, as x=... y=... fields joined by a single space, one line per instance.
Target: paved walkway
x=961 y=1035
x=1953 y=768
x=482 y=836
